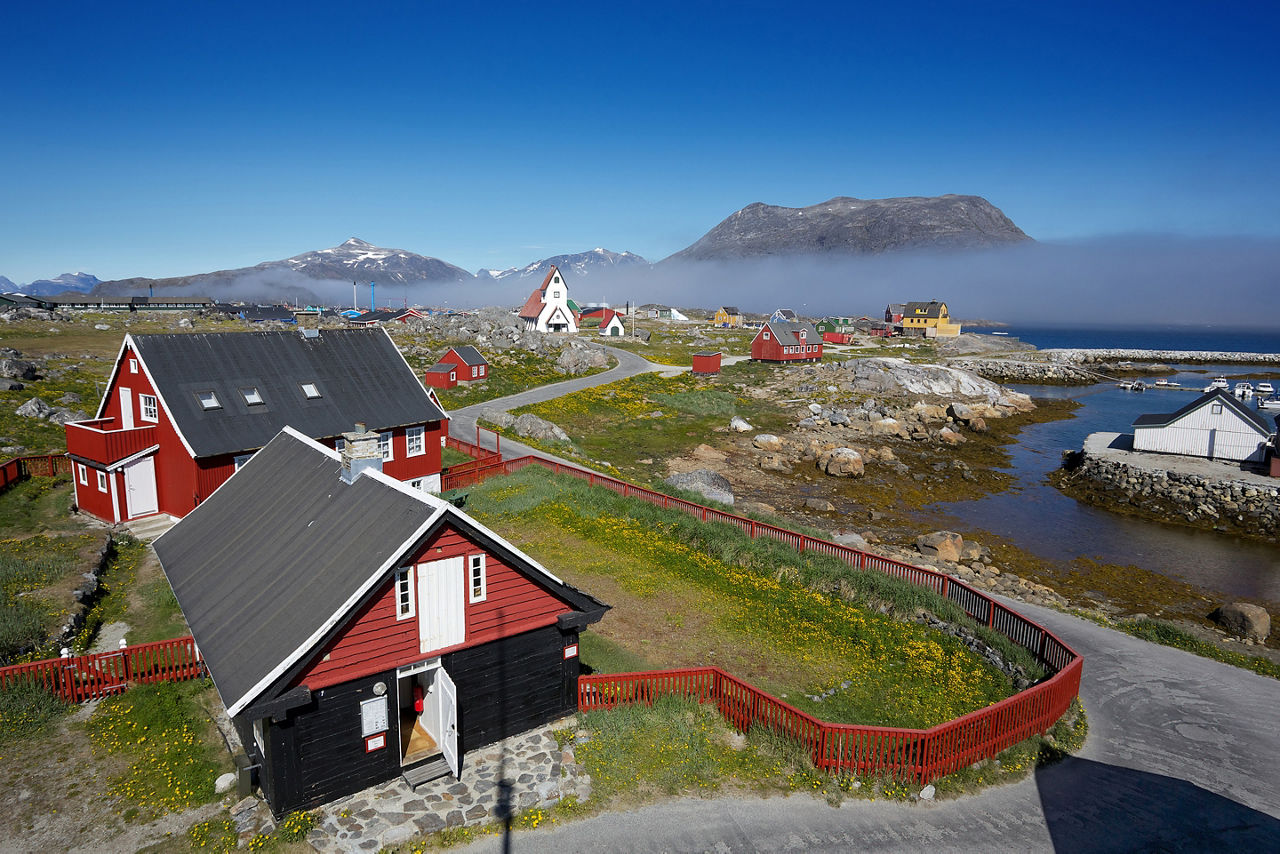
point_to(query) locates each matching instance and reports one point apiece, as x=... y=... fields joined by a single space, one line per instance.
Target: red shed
x=441 y=375
x=837 y=337
x=706 y=363
x=787 y=342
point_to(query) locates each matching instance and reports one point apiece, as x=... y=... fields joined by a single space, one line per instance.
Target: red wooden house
x=357 y=630
x=786 y=342
x=182 y=412
x=471 y=365
x=442 y=375
x=705 y=364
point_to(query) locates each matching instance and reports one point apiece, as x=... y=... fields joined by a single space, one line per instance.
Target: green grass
x=510 y=372
x=37 y=504
x=35 y=588
x=451 y=457
x=810 y=626
x=601 y=655
x=165 y=734
x=27 y=710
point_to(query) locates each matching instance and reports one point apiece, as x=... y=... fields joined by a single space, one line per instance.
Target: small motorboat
x=1164 y=383
x=1132 y=385
x=1218 y=382
x=1243 y=390
x=1264 y=388
x=1272 y=402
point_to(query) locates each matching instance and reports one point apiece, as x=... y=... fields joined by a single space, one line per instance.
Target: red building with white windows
x=182 y=412
x=786 y=342
x=358 y=631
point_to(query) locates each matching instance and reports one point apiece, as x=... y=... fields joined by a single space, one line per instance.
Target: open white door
x=448 y=698
x=441 y=604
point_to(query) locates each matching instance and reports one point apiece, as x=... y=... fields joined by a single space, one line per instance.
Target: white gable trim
x=130 y=343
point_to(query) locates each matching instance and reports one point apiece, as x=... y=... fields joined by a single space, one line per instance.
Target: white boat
x=1164 y=383
x=1219 y=382
x=1132 y=385
x=1272 y=402
x=1243 y=389
x=1264 y=387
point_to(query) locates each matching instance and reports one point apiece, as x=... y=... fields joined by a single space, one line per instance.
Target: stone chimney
x=360 y=453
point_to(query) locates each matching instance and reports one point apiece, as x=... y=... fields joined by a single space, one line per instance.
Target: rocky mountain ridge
x=580 y=265
x=856 y=226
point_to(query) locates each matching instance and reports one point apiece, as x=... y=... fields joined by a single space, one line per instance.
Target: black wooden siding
x=512 y=685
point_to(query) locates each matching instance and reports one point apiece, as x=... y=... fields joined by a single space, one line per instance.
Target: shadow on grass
x=1092 y=806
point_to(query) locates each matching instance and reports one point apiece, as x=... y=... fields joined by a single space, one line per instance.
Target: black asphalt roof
x=359 y=374
x=1265 y=427
x=469 y=355
x=285 y=552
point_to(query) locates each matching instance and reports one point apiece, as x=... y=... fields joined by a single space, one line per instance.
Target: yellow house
x=928 y=319
x=728 y=315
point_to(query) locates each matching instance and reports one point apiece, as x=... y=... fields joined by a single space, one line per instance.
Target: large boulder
x=578 y=359
x=739 y=425
x=34 y=408
x=1244 y=620
x=767 y=442
x=841 y=462
x=710 y=485
x=942 y=545
x=18 y=369
x=532 y=427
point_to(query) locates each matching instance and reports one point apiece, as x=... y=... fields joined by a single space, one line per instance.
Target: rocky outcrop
x=577 y=358
x=1078 y=357
x=1244 y=620
x=709 y=484
x=527 y=426
x=942 y=545
x=841 y=462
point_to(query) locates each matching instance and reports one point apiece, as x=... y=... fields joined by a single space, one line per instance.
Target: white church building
x=547 y=309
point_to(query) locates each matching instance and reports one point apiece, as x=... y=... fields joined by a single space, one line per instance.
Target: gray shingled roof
x=286 y=552
x=469 y=355
x=1251 y=416
x=789 y=333
x=359 y=373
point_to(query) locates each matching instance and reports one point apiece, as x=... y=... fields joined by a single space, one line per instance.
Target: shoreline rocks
x=1087 y=356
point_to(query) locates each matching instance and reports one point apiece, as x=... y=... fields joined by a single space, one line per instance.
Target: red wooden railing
x=87 y=677
x=483 y=463
x=920 y=755
x=20 y=468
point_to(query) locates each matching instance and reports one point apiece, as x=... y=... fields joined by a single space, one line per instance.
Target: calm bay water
x=1048 y=524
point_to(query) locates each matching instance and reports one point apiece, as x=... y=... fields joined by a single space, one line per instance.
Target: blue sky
x=176 y=138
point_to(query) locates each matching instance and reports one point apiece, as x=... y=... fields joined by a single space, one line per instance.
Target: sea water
x=1046 y=523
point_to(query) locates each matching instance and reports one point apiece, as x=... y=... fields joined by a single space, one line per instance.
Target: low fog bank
x=1140 y=281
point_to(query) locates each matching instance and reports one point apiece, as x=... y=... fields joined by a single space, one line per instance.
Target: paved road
x=1183 y=755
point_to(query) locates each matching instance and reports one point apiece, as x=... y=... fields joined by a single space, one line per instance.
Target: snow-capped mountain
x=7 y=286
x=580 y=264
x=359 y=259
x=78 y=282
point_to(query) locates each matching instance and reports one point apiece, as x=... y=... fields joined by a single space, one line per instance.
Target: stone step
x=426 y=772
x=150 y=527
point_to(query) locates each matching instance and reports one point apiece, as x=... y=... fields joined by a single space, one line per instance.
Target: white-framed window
x=310 y=391
x=406 y=602
x=148 y=410
x=475 y=371
x=415 y=445
x=82 y=473
x=208 y=400
x=477 y=584
x=766 y=335
x=102 y=481
x=339 y=444
x=241 y=459
x=251 y=396
x=453 y=376
x=803 y=332
x=133 y=366
x=384 y=445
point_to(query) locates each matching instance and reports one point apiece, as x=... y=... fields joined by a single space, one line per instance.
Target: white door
x=140 y=488
x=126 y=409
x=441 y=602
x=448 y=697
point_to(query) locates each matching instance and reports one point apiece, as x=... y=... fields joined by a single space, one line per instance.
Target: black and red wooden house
x=182 y=412
x=358 y=630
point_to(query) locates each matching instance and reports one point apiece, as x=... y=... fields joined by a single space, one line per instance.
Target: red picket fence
x=920 y=755
x=20 y=468
x=87 y=677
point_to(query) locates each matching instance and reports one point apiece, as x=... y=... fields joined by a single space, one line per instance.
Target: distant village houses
x=728 y=316
x=927 y=320
x=786 y=342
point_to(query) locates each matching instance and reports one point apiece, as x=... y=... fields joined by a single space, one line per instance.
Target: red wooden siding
x=772 y=351
x=374 y=640
x=464 y=370
x=706 y=364
x=440 y=379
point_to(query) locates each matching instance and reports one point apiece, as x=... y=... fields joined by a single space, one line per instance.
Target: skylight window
x=251 y=396
x=310 y=390
x=208 y=400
